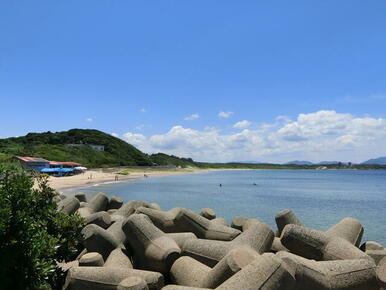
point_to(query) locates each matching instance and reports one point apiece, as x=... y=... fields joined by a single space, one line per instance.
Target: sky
x=268 y=81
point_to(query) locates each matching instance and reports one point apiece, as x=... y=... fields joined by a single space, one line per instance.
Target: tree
x=33 y=234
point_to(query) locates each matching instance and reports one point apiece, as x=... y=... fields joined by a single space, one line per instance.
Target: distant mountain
x=299 y=162
x=329 y=162
x=247 y=162
x=379 y=161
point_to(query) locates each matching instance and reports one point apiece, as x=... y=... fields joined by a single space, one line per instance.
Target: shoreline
x=100 y=176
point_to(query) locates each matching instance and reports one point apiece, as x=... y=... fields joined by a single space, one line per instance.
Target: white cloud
x=115 y=135
x=140 y=127
x=242 y=124
x=322 y=135
x=143 y=110
x=224 y=115
x=192 y=117
x=89 y=119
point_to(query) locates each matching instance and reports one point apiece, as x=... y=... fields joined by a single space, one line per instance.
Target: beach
x=107 y=175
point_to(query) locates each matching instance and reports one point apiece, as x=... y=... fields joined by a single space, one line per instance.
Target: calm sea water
x=318 y=198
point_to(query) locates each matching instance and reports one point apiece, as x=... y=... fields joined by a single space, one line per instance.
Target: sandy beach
x=95 y=176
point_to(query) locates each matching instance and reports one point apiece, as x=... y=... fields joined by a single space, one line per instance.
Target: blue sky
x=302 y=79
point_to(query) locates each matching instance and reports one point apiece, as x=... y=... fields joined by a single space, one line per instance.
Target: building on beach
x=56 y=168
x=33 y=162
x=60 y=164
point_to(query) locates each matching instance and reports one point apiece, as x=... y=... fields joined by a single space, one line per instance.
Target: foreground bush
x=33 y=234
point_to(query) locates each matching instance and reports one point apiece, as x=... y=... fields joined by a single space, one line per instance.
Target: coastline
x=108 y=175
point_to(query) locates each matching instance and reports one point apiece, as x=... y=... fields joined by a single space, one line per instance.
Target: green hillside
x=54 y=146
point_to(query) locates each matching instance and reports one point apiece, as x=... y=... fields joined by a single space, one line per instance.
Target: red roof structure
x=31 y=159
x=64 y=163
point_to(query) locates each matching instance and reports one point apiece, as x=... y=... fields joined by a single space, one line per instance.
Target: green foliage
x=33 y=234
x=171 y=160
x=53 y=146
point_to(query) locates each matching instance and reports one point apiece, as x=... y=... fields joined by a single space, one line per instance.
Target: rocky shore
x=139 y=246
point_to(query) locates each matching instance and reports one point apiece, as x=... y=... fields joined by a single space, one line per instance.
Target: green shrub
x=33 y=234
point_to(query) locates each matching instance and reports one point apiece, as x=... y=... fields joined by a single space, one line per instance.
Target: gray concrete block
x=153 y=249
x=98 y=240
x=238 y=222
x=371 y=245
x=179 y=287
x=101 y=219
x=313 y=244
x=338 y=274
x=115 y=202
x=187 y=271
x=81 y=196
x=377 y=255
x=286 y=217
x=133 y=283
x=258 y=237
x=208 y=213
x=119 y=258
x=381 y=273
x=128 y=209
x=91 y=259
x=277 y=246
x=68 y=205
x=164 y=220
x=220 y=221
x=180 y=238
x=267 y=272
x=187 y=220
x=97 y=203
x=102 y=278
x=349 y=229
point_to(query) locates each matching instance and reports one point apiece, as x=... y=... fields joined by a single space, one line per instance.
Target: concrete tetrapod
x=162 y=219
x=178 y=287
x=377 y=255
x=97 y=203
x=101 y=219
x=349 y=229
x=316 y=245
x=81 y=196
x=286 y=217
x=91 y=259
x=238 y=222
x=381 y=273
x=356 y=274
x=202 y=227
x=187 y=271
x=371 y=245
x=98 y=240
x=115 y=202
x=181 y=238
x=118 y=258
x=133 y=283
x=258 y=237
x=208 y=213
x=69 y=205
x=266 y=272
x=128 y=209
x=106 y=278
x=154 y=250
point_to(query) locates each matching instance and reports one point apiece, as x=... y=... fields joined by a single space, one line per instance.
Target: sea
x=319 y=198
